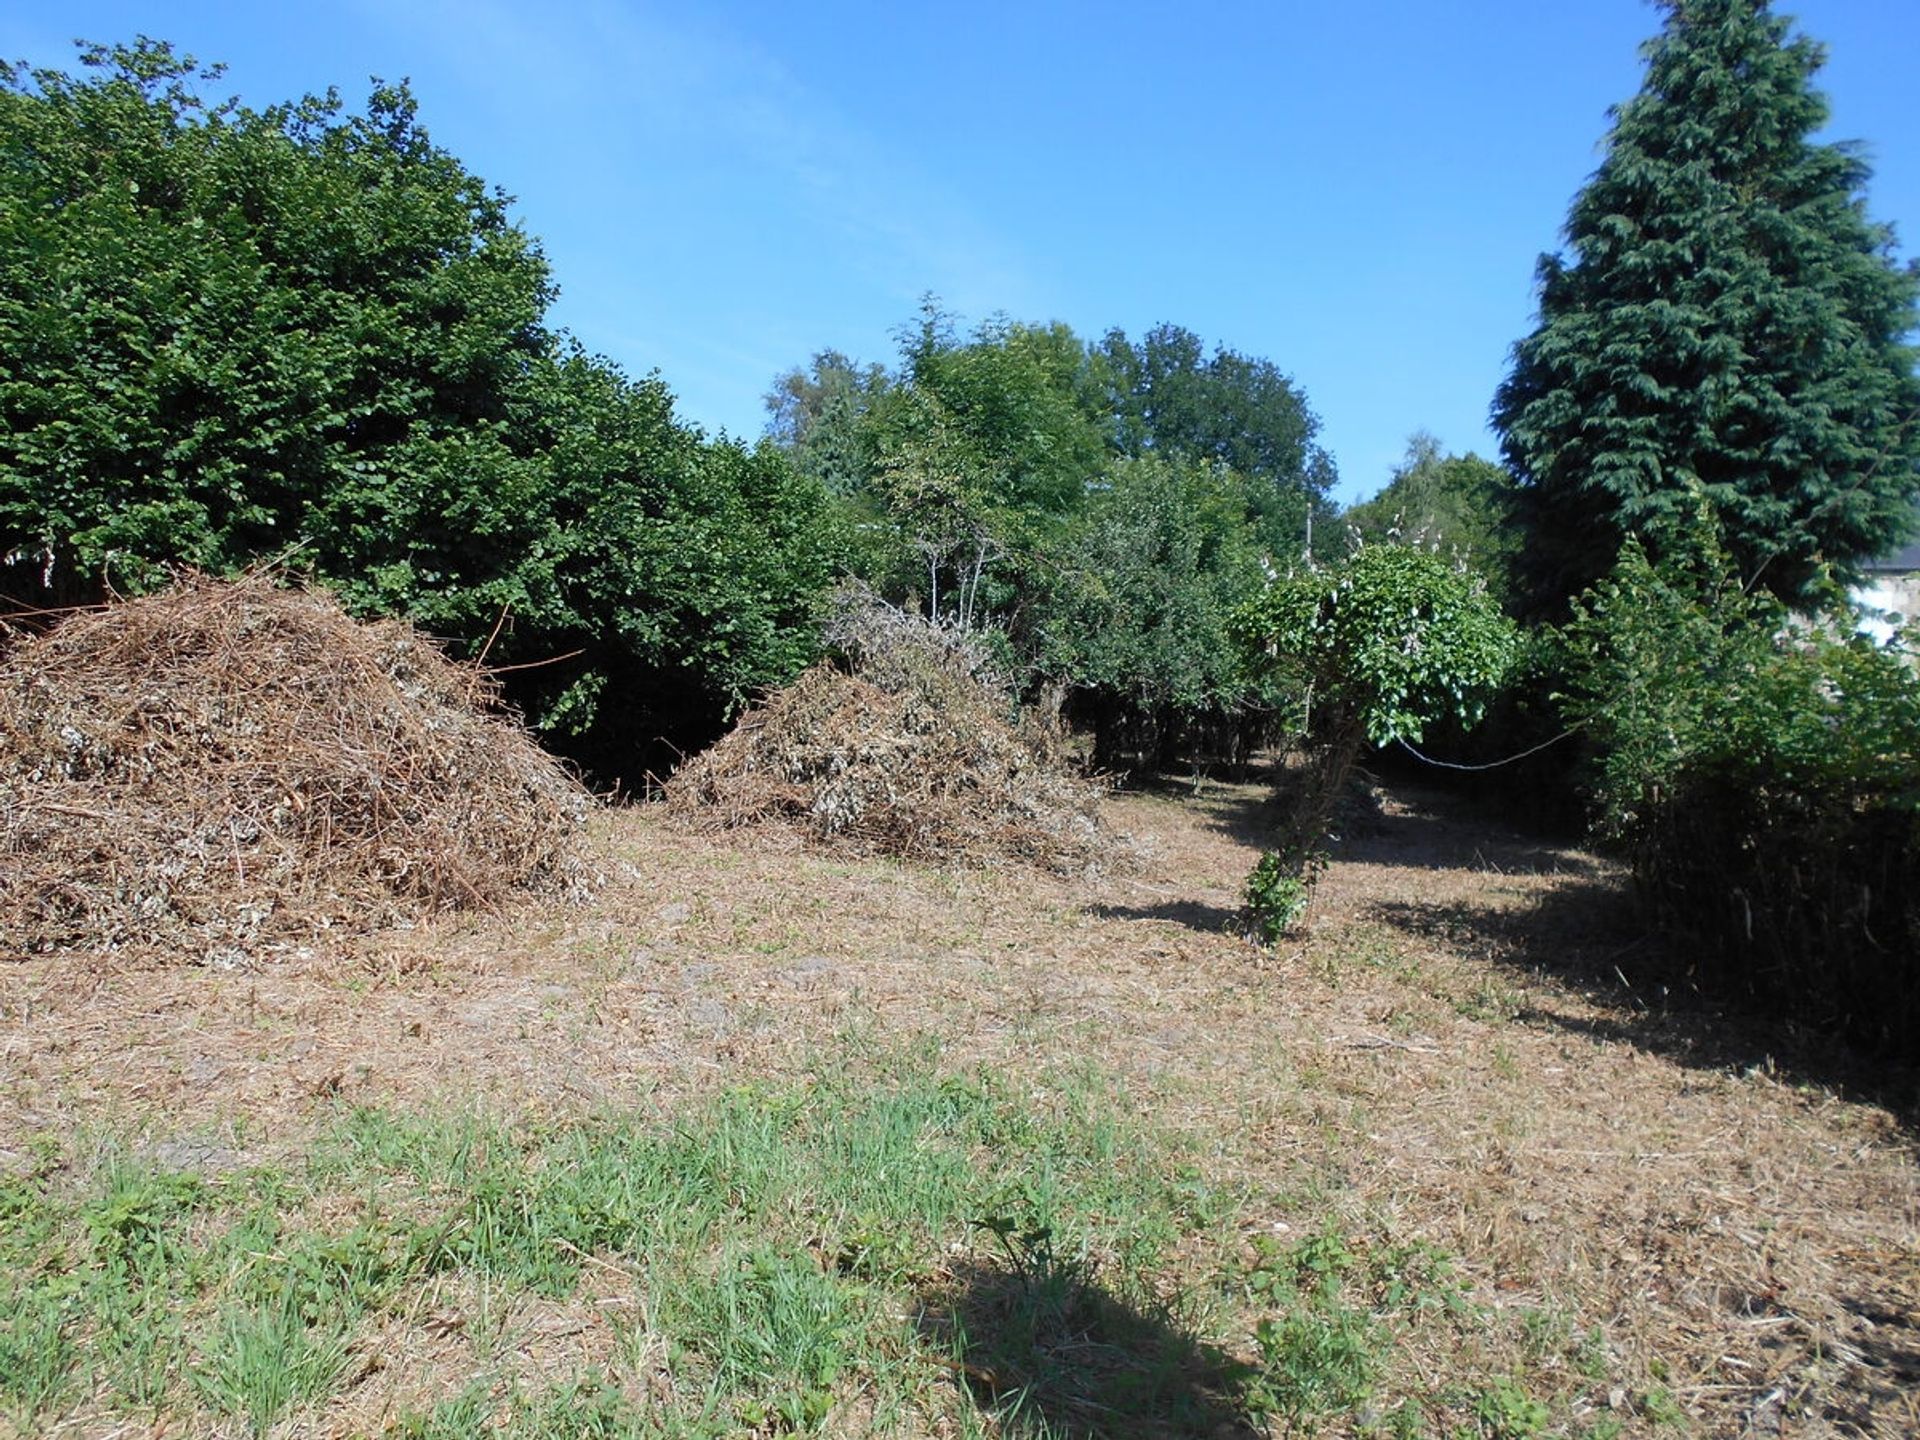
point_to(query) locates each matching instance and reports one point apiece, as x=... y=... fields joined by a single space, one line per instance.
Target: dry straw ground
x=1445 y=1058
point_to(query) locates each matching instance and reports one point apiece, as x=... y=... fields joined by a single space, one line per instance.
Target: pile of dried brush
x=224 y=767
x=917 y=753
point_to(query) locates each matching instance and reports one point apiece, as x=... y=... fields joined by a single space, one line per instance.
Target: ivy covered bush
x=1763 y=776
x=1381 y=644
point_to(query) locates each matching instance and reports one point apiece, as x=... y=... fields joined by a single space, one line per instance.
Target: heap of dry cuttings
x=229 y=766
x=918 y=753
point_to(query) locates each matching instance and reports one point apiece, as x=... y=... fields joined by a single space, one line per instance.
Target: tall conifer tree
x=1729 y=325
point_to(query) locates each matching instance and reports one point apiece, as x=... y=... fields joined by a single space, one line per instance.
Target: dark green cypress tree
x=1729 y=325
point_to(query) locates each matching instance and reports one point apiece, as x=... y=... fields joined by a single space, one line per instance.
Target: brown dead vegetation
x=917 y=754
x=226 y=767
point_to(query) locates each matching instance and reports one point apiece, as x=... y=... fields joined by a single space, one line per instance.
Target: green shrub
x=229 y=334
x=1762 y=774
x=1136 y=606
x=1278 y=890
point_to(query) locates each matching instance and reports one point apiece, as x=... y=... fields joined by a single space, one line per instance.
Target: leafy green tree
x=1167 y=396
x=1138 y=601
x=229 y=334
x=1728 y=319
x=951 y=506
x=820 y=416
x=1383 y=644
x=983 y=449
x=1456 y=504
x=680 y=575
x=1101 y=508
x=1020 y=395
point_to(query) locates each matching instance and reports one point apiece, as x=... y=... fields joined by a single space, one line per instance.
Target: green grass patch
x=917 y=1250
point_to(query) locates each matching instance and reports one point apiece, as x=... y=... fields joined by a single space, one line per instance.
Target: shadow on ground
x=1246 y=811
x=1400 y=824
x=1586 y=935
x=1043 y=1349
x=1194 y=914
x=1889 y=1363
x=1428 y=828
x=1584 y=932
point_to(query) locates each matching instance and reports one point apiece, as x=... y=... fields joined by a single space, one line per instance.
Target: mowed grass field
x=763 y=1141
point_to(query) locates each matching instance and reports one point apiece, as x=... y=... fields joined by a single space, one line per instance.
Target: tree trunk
x=1330 y=755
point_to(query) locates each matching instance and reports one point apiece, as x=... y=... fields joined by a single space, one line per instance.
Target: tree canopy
x=216 y=320
x=1389 y=640
x=1459 y=505
x=1102 y=507
x=1728 y=325
x=230 y=334
x=819 y=415
x=1138 y=598
x=1168 y=396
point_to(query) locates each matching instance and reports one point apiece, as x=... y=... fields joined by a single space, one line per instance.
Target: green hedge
x=1763 y=774
x=230 y=334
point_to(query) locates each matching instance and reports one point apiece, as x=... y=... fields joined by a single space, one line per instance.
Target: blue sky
x=1357 y=192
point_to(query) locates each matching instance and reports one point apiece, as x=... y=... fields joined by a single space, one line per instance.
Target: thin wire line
x=1491 y=764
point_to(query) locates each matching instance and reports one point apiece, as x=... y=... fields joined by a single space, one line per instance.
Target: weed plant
x=1278 y=891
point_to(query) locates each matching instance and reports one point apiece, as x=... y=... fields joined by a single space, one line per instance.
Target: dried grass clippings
x=919 y=753
x=227 y=767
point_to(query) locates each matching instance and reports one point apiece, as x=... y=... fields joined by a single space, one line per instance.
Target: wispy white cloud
x=627 y=80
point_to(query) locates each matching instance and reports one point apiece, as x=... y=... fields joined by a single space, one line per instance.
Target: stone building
x=1889 y=592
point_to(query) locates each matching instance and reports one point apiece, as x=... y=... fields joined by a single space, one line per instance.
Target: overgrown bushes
x=1763 y=776
x=1134 y=613
x=1101 y=508
x=229 y=333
